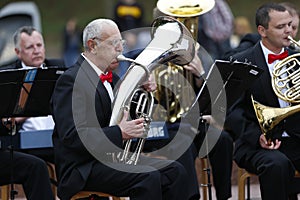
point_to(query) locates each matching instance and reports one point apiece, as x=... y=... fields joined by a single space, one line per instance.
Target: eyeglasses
x=118 y=42
x=115 y=43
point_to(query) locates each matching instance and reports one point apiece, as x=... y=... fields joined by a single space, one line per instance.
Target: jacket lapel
x=101 y=95
x=265 y=90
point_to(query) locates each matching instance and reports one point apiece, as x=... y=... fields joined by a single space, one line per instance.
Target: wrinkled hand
x=131 y=129
x=268 y=144
x=150 y=85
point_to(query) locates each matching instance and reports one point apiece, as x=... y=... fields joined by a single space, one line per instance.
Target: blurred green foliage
x=55 y=13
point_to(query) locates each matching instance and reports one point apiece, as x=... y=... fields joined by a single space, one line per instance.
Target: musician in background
x=30 y=50
x=274 y=162
x=84 y=141
x=28 y=170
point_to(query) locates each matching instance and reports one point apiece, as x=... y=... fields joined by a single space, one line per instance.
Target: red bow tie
x=273 y=57
x=106 y=77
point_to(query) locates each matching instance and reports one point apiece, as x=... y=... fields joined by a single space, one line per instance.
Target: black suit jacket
x=242 y=118
x=80 y=131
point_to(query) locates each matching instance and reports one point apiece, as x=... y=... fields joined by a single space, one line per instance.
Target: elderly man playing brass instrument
x=83 y=139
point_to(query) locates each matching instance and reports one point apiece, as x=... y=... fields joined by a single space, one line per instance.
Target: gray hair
x=95 y=29
x=17 y=35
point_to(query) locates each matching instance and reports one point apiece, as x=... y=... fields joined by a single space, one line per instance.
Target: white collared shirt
x=266 y=52
x=30 y=67
x=99 y=72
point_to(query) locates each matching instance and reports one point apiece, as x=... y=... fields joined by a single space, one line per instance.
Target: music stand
x=236 y=76
x=233 y=78
x=27 y=94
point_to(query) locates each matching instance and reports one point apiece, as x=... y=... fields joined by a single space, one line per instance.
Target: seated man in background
x=30 y=50
x=21 y=168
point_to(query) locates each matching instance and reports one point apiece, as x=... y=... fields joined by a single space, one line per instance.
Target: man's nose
x=37 y=49
x=119 y=47
x=289 y=29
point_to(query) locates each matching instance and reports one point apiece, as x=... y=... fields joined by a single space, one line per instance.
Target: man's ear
x=92 y=45
x=17 y=51
x=261 y=30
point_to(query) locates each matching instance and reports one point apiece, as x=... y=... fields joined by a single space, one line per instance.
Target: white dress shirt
x=105 y=83
x=266 y=52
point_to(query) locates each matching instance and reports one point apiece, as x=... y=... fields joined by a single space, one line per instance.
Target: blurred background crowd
x=59 y=16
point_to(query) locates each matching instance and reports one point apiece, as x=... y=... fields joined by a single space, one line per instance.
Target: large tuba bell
x=179 y=96
x=171 y=41
x=286 y=85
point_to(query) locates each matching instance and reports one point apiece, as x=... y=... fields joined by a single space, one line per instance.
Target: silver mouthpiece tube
x=123 y=58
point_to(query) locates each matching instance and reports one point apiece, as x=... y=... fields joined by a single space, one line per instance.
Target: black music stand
x=10 y=86
x=27 y=94
x=236 y=76
x=233 y=78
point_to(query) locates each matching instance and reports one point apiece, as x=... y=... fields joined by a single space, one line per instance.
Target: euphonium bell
x=176 y=100
x=170 y=42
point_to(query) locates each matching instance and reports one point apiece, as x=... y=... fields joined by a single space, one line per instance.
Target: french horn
x=286 y=85
x=171 y=41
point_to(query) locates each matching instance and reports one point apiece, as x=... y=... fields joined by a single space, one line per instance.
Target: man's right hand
x=131 y=129
x=264 y=143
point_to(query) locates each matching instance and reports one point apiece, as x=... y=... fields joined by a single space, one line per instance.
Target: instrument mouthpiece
x=123 y=58
x=294 y=41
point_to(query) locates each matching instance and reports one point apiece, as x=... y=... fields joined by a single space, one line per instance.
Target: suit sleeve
x=76 y=121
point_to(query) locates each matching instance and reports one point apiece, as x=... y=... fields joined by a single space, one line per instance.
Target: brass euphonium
x=179 y=96
x=170 y=42
x=286 y=85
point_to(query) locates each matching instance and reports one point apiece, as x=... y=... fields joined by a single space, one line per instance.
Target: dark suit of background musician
x=274 y=164
x=34 y=59
x=28 y=170
x=87 y=103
